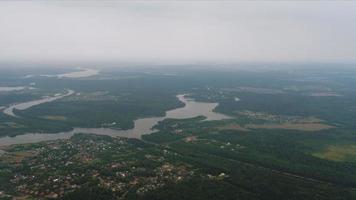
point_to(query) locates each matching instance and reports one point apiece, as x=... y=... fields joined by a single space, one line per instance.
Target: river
x=141 y=127
x=23 y=106
x=10 y=89
x=77 y=74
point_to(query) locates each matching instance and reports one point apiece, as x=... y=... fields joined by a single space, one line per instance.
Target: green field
x=340 y=153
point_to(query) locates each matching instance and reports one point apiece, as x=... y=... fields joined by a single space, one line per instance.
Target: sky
x=177 y=32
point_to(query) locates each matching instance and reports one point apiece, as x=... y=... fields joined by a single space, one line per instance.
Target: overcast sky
x=177 y=32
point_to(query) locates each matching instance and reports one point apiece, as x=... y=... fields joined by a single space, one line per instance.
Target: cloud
x=178 y=32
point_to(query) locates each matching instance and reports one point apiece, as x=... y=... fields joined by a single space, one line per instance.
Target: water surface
x=77 y=74
x=8 y=89
x=25 y=105
x=142 y=126
x=16 y=88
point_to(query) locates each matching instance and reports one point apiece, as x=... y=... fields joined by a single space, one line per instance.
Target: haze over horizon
x=177 y=32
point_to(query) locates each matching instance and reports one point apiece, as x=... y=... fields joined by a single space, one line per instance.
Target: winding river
x=23 y=106
x=142 y=126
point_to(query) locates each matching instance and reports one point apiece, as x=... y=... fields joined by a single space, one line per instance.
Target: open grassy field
x=291 y=126
x=232 y=126
x=300 y=126
x=54 y=117
x=338 y=153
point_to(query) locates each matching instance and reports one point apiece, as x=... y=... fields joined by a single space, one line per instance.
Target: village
x=53 y=169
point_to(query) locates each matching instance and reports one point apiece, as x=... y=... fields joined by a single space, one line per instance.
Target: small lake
x=142 y=126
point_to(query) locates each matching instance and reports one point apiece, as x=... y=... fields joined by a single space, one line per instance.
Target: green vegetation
x=292 y=137
x=97 y=103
